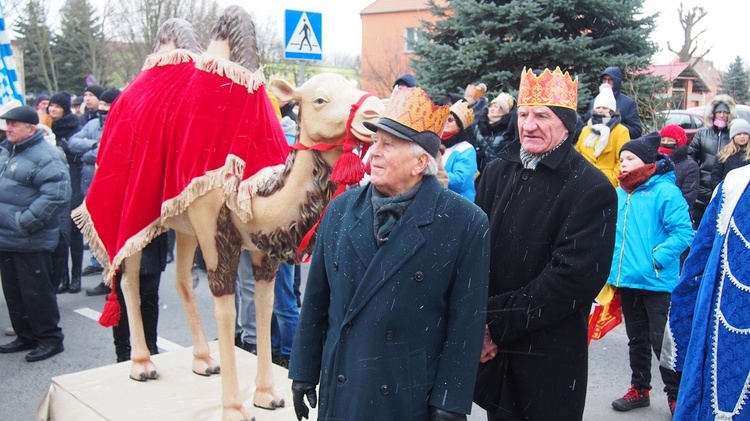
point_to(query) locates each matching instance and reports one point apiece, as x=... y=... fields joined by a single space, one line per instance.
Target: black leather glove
x=299 y=391
x=437 y=414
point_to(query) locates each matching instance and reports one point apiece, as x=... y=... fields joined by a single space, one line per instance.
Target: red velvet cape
x=184 y=126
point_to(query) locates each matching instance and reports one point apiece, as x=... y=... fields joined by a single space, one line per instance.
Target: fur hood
x=708 y=116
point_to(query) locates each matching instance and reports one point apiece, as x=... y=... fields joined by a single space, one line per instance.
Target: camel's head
x=325 y=102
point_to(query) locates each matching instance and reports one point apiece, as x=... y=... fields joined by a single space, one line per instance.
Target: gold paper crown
x=464 y=113
x=414 y=109
x=549 y=88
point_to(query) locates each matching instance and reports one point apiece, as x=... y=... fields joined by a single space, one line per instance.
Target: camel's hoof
x=141 y=377
x=271 y=406
x=204 y=374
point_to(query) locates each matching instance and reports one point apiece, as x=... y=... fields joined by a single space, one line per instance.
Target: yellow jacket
x=609 y=160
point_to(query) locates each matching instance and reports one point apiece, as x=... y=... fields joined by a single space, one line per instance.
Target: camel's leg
x=220 y=244
x=265 y=277
x=203 y=364
x=141 y=368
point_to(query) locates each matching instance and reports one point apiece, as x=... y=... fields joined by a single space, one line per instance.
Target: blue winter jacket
x=34 y=190
x=653 y=229
x=85 y=144
x=461 y=166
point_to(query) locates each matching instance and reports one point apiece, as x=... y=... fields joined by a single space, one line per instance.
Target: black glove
x=299 y=391
x=437 y=414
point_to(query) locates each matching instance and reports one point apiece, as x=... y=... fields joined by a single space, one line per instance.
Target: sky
x=725 y=25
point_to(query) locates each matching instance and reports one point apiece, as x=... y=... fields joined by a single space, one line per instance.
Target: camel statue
x=194 y=144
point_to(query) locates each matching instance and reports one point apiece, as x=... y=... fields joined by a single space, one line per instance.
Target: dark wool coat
x=721 y=169
x=389 y=331
x=687 y=175
x=552 y=234
x=706 y=143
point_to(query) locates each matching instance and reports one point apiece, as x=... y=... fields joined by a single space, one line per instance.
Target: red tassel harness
x=348 y=170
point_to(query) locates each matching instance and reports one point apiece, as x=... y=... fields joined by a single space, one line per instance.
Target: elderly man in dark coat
x=34 y=190
x=552 y=232
x=394 y=309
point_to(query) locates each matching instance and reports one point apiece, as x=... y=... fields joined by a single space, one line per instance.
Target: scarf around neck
x=629 y=181
x=599 y=136
x=388 y=210
x=530 y=161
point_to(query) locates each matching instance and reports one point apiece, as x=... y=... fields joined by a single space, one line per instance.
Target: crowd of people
x=447 y=234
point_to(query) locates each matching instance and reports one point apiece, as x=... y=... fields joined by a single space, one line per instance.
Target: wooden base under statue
x=106 y=393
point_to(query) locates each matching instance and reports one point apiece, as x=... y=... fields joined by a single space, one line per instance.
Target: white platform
x=107 y=393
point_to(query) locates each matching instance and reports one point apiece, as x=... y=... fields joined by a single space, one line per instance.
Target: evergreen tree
x=493 y=40
x=38 y=60
x=736 y=81
x=79 y=47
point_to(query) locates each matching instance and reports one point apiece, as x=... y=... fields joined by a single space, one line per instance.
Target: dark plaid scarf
x=388 y=210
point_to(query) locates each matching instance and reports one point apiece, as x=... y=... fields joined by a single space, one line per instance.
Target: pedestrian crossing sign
x=303 y=35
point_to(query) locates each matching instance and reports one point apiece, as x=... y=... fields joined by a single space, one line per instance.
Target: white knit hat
x=606 y=98
x=504 y=101
x=739 y=125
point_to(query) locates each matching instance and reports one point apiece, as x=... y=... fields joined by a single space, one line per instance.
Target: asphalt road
x=88 y=345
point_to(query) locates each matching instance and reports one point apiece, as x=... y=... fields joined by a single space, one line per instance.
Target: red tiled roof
x=388 y=6
x=669 y=72
x=672 y=71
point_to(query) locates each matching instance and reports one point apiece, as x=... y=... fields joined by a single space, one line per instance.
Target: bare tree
x=380 y=73
x=689 y=19
x=39 y=61
x=134 y=24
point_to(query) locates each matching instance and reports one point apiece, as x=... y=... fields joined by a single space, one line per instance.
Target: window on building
x=410 y=37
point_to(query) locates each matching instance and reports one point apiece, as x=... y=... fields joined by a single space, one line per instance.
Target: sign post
x=303 y=38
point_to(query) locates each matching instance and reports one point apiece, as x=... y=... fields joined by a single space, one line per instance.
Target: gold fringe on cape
x=231 y=70
x=226 y=178
x=167 y=58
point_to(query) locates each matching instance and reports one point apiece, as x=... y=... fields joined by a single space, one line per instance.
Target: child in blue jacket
x=653 y=229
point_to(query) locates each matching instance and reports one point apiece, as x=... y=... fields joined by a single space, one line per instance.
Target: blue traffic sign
x=303 y=35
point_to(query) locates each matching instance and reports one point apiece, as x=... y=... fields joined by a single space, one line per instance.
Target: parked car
x=743 y=111
x=691 y=120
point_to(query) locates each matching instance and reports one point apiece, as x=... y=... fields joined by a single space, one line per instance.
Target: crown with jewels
x=555 y=88
x=414 y=109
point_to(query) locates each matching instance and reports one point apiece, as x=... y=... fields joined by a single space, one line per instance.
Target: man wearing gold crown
x=552 y=232
x=395 y=301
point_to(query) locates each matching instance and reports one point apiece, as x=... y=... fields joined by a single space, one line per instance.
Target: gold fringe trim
x=168 y=58
x=227 y=178
x=231 y=70
x=240 y=200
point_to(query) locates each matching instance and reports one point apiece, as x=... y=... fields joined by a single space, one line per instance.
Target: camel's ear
x=283 y=90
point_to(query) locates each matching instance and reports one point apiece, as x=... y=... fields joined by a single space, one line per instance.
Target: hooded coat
x=706 y=144
x=389 y=331
x=626 y=106
x=552 y=233
x=653 y=229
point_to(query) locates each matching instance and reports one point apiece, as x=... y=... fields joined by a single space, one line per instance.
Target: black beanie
x=109 y=95
x=63 y=100
x=644 y=147
x=567 y=116
x=96 y=90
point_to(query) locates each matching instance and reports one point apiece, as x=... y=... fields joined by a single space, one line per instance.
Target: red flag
x=605 y=317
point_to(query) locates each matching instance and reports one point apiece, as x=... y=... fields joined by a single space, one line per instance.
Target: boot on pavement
x=60 y=276
x=635 y=398
x=100 y=289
